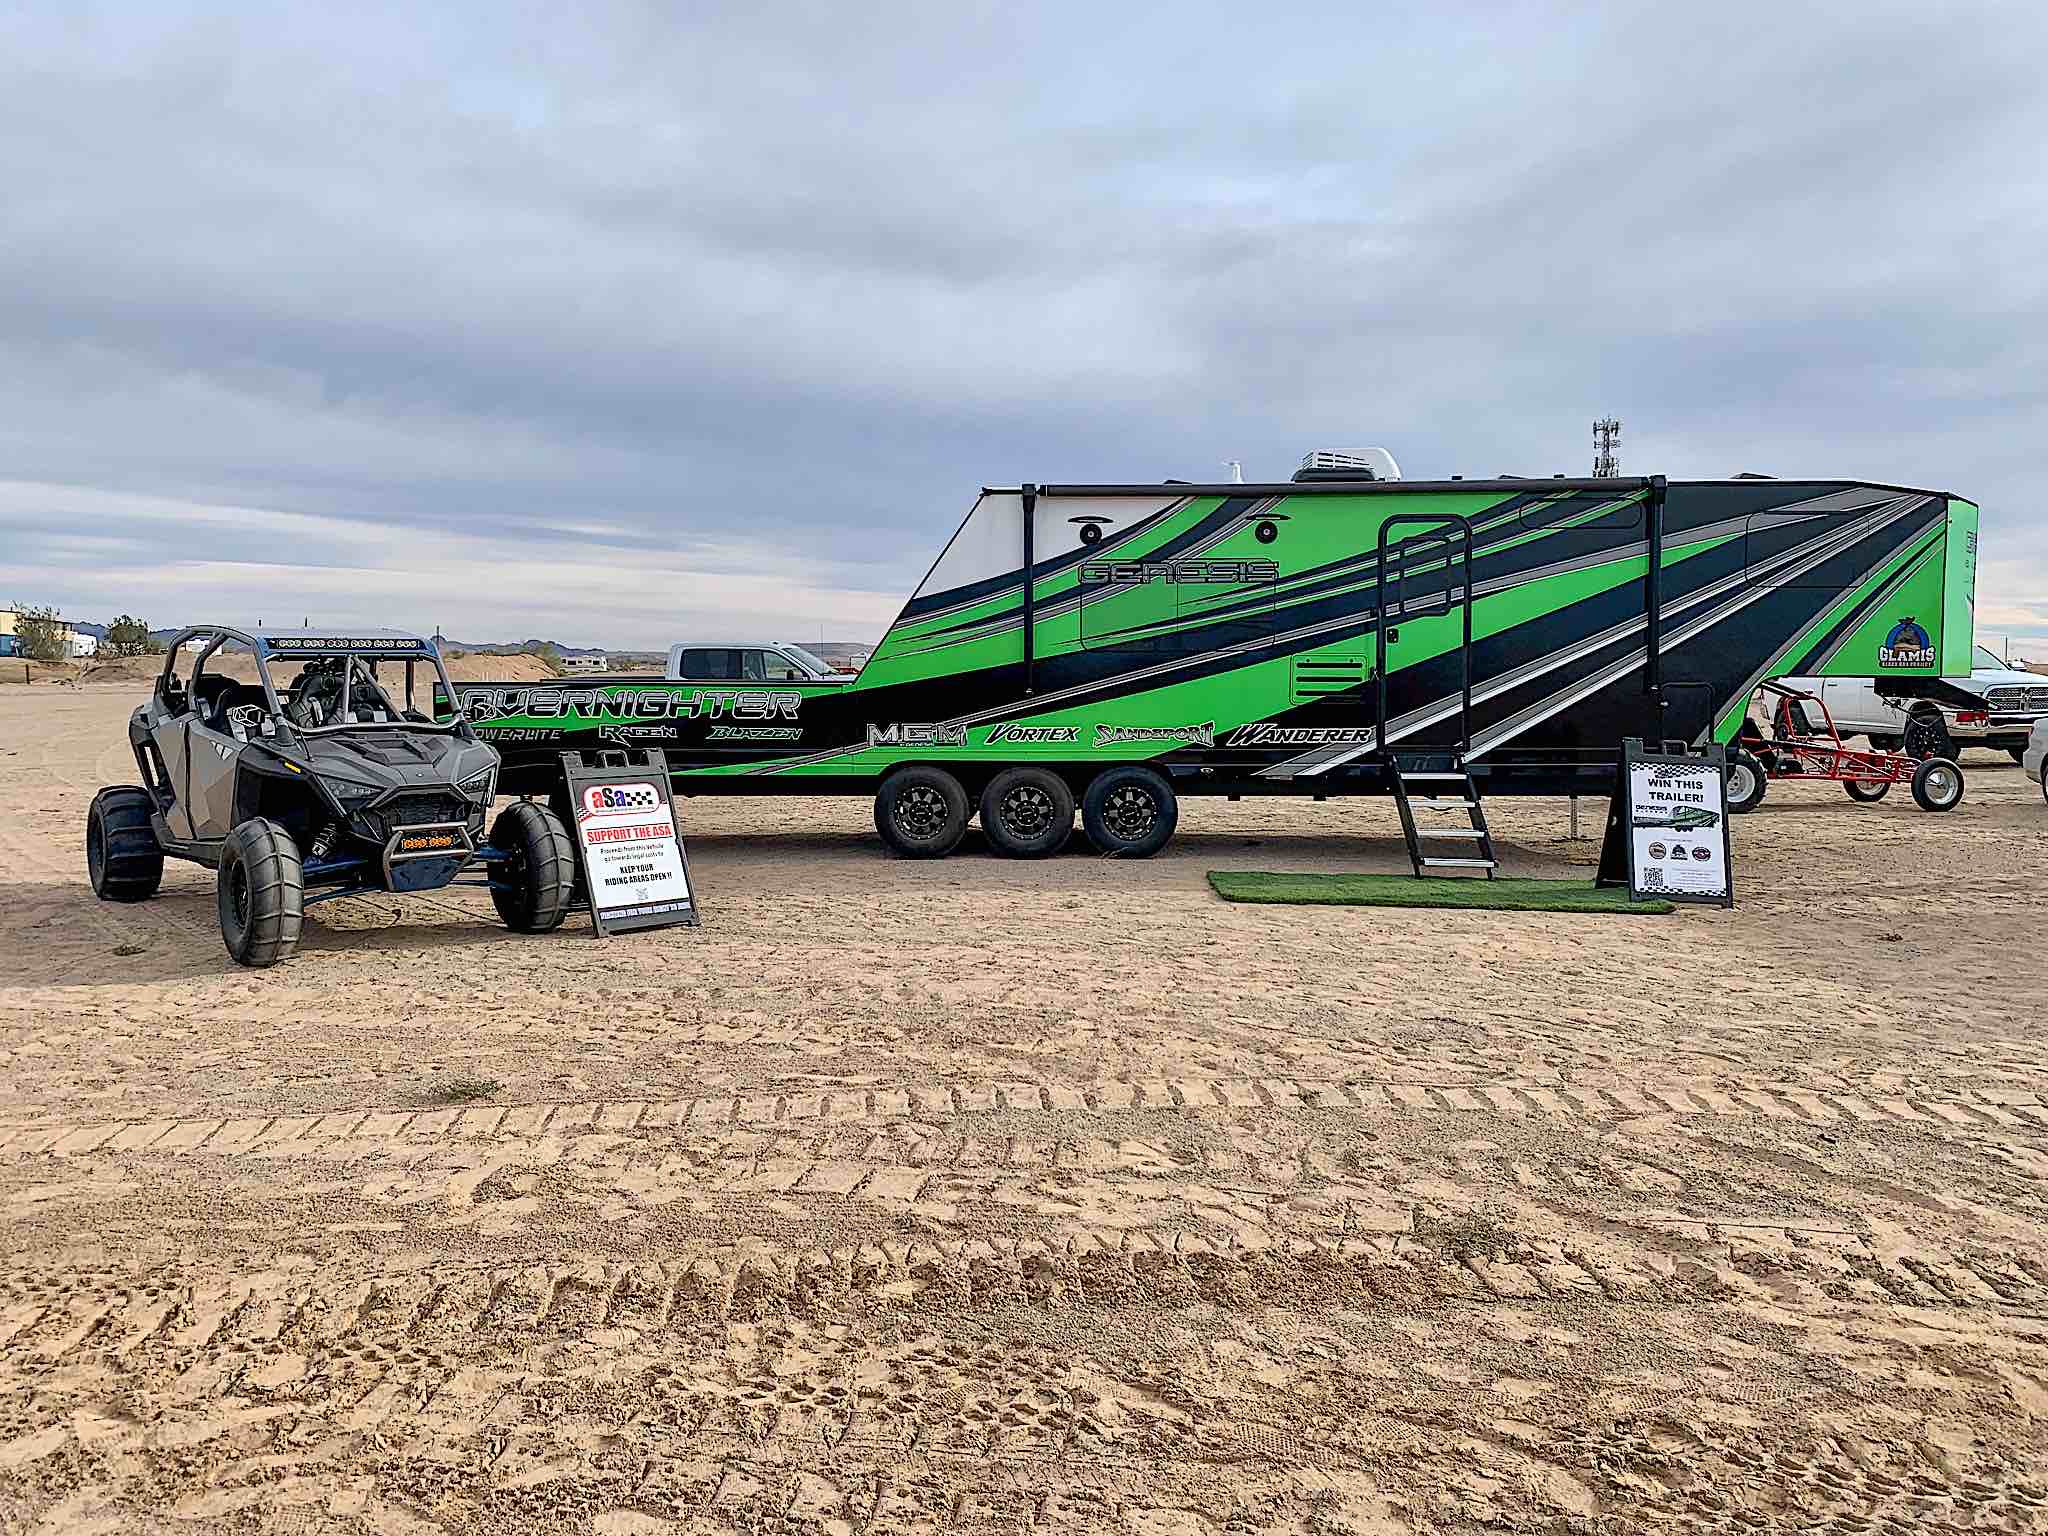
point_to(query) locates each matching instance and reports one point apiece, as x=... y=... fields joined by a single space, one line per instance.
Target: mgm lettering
x=617 y=704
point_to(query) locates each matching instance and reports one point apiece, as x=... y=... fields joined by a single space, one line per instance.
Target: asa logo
x=619 y=799
x=1906 y=646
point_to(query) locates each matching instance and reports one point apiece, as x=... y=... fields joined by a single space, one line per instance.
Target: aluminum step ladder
x=1437 y=792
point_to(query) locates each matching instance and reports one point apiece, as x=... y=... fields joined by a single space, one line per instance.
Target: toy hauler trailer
x=1323 y=636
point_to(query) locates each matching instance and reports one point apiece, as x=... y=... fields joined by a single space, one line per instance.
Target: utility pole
x=1606 y=443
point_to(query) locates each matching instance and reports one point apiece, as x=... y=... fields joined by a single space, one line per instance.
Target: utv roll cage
x=357 y=651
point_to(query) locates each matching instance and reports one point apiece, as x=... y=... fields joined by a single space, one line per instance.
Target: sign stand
x=635 y=871
x=1667 y=826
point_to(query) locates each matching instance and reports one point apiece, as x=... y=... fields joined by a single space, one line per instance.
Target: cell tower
x=1606 y=439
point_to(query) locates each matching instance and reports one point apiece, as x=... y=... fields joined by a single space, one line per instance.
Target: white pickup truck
x=779 y=661
x=2013 y=701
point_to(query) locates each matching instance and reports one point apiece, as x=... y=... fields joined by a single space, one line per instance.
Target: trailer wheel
x=1938 y=784
x=122 y=858
x=1869 y=791
x=1027 y=813
x=1927 y=736
x=1746 y=783
x=532 y=889
x=1129 y=812
x=261 y=888
x=921 y=812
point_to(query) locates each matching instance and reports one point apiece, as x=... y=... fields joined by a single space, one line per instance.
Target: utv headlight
x=352 y=795
x=482 y=785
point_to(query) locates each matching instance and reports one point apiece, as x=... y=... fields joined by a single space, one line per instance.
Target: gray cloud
x=794 y=281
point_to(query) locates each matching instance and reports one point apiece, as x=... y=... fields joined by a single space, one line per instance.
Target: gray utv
x=350 y=774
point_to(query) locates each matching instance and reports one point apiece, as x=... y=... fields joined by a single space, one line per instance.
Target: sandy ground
x=988 y=1197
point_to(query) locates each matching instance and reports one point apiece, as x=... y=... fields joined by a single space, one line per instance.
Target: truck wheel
x=1927 y=736
x=262 y=893
x=921 y=812
x=1027 y=813
x=1938 y=784
x=532 y=889
x=2017 y=754
x=1869 y=791
x=1129 y=812
x=122 y=858
x=1746 y=783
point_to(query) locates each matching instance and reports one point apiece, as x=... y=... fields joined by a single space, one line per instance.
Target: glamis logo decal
x=1906 y=646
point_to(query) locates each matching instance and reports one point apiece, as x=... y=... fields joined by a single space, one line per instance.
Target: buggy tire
x=1927 y=736
x=1027 y=813
x=1938 y=784
x=532 y=889
x=1884 y=743
x=261 y=889
x=1869 y=791
x=921 y=812
x=122 y=857
x=1747 y=782
x=1129 y=812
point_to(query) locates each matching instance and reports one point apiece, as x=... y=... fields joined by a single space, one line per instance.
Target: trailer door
x=1424 y=641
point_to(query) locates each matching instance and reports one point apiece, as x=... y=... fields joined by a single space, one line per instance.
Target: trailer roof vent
x=1364 y=464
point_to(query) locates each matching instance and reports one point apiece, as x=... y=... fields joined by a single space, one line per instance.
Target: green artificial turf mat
x=1430 y=891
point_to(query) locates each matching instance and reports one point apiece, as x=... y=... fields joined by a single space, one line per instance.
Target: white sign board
x=1678 y=827
x=634 y=867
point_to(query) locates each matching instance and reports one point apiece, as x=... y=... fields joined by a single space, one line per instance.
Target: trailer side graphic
x=1290 y=638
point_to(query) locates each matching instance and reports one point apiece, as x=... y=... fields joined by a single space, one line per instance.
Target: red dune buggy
x=1797 y=748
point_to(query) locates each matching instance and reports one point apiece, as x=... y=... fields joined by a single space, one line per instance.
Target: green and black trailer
x=1117 y=647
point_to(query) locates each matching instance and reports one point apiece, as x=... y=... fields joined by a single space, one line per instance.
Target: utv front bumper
x=427 y=855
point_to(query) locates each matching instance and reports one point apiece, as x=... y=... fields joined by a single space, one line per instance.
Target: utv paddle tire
x=1938 y=784
x=1867 y=790
x=1746 y=783
x=921 y=812
x=1130 y=812
x=1027 y=813
x=262 y=893
x=533 y=885
x=122 y=858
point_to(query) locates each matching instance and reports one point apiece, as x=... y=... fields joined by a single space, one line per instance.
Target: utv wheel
x=1129 y=812
x=1869 y=791
x=1938 y=784
x=262 y=892
x=921 y=812
x=1746 y=783
x=533 y=886
x=122 y=858
x=1927 y=736
x=1027 y=813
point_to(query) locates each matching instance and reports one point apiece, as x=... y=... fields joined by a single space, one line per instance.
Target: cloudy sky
x=618 y=321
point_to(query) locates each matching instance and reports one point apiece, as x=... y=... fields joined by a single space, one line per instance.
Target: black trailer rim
x=1026 y=811
x=921 y=812
x=1130 y=812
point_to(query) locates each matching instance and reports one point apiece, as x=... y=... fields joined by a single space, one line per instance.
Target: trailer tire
x=1129 y=812
x=1927 y=736
x=122 y=858
x=1938 y=784
x=921 y=812
x=260 y=886
x=1869 y=791
x=1027 y=813
x=533 y=888
x=1746 y=783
